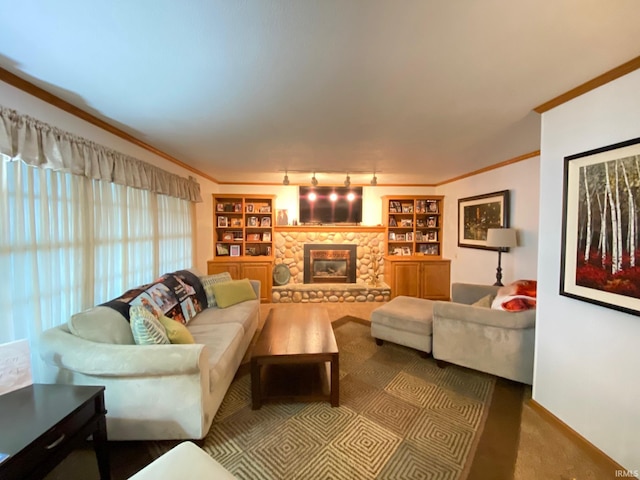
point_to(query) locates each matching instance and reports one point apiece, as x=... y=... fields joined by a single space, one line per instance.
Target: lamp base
x=499 y=271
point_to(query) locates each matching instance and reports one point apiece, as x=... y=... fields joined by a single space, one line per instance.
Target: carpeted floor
x=400 y=416
x=516 y=442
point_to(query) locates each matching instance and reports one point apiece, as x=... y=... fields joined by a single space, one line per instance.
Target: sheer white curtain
x=68 y=242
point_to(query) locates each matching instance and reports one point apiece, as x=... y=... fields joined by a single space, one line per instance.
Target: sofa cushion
x=176 y=331
x=209 y=281
x=102 y=325
x=233 y=292
x=146 y=328
x=484 y=302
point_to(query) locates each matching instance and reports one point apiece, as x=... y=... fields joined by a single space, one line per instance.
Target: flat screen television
x=328 y=205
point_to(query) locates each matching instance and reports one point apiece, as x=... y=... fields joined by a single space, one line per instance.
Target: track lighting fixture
x=285 y=180
x=374 y=180
x=347 y=181
x=314 y=180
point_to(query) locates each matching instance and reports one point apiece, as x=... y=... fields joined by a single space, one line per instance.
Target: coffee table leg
x=256 y=388
x=335 y=381
x=101 y=446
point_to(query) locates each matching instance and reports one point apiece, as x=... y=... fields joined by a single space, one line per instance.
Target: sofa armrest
x=256 y=287
x=60 y=348
x=483 y=316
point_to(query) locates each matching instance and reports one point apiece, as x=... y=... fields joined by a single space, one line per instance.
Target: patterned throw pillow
x=146 y=328
x=208 y=281
x=176 y=331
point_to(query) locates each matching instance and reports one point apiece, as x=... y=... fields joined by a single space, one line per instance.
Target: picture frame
x=394 y=206
x=220 y=207
x=223 y=222
x=237 y=207
x=266 y=237
x=251 y=251
x=252 y=221
x=407 y=208
x=227 y=236
x=397 y=251
x=432 y=206
x=393 y=222
x=265 y=222
x=598 y=264
x=268 y=250
x=234 y=250
x=236 y=222
x=479 y=213
x=392 y=236
x=432 y=236
x=222 y=250
x=253 y=237
x=265 y=209
x=432 y=222
x=249 y=208
x=406 y=250
x=406 y=222
x=282 y=217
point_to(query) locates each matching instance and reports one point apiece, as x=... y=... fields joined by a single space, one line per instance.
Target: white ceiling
x=419 y=90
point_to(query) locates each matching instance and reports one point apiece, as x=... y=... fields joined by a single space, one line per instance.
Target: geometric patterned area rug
x=400 y=417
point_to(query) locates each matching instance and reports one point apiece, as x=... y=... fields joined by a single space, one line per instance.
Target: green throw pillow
x=209 y=281
x=176 y=331
x=146 y=328
x=235 y=291
x=484 y=302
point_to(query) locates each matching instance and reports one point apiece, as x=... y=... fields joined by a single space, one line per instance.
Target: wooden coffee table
x=296 y=357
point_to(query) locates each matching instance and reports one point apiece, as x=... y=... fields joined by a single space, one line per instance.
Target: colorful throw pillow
x=517 y=296
x=176 y=331
x=146 y=328
x=484 y=302
x=209 y=281
x=233 y=292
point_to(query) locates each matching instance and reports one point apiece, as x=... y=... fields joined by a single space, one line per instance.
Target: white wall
x=587 y=356
x=24 y=103
x=471 y=265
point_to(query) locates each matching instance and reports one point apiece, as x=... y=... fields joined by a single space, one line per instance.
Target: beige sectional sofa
x=154 y=391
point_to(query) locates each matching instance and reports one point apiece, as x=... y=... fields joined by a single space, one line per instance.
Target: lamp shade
x=501 y=237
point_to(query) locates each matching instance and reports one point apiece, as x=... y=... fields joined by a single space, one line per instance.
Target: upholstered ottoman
x=406 y=321
x=185 y=460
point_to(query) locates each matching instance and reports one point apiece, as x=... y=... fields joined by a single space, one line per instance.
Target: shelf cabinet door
x=219 y=267
x=435 y=280
x=260 y=271
x=405 y=278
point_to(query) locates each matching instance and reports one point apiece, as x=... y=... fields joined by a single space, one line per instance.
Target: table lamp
x=502 y=239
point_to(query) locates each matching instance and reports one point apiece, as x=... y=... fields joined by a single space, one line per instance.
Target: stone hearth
x=330 y=292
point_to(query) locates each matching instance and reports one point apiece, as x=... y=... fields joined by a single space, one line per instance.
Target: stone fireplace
x=329 y=263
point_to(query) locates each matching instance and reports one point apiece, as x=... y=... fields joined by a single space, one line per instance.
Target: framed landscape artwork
x=600 y=260
x=478 y=214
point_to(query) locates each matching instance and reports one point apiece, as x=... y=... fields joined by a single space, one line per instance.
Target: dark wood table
x=295 y=358
x=41 y=424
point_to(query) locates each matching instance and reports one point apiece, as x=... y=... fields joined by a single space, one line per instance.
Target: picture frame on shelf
x=393 y=222
x=236 y=222
x=266 y=237
x=409 y=236
x=234 y=250
x=222 y=250
x=392 y=236
x=401 y=237
x=268 y=250
x=406 y=222
x=420 y=222
x=406 y=250
x=421 y=206
x=432 y=236
x=253 y=237
x=419 y=236
x=220 y=207
x=605 y=277
x=223 y=222
x=252 y=222
x=265 y=209
x=249 y=208
x=265 y=222
x=227 y=237
x=479 y=213
x=407 y=208
x=432 y=206
x=237 y=207
x=394 y=206
x=432 y=222
x=251 y=251
x=282 y=217
x=397 y=251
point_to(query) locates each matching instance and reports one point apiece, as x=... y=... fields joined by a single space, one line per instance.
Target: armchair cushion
x=484 y=302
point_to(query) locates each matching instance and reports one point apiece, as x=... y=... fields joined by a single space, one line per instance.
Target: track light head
x=285 y=180
x=347 y=181
x=374 y=180
x=314 y=180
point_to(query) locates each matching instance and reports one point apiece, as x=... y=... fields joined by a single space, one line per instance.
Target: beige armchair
x=492 y=341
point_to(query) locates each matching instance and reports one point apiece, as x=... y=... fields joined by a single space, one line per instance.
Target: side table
x=41 y=424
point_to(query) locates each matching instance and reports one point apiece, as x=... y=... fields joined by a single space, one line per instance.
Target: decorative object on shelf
x=252 y=222
x=282 y=217
x=265 y=222
x=253 y=237
x=266 y=237
x=501 y=239
x=250 y=208
x=599 y=256
x=223 y=222
x=281 y=274
x=478 y=214
x=222 y=250
x=235 y=250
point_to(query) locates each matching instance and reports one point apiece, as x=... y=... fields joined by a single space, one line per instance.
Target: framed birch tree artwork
x=600 y=250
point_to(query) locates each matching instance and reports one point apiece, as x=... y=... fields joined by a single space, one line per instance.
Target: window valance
x=44 y=146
